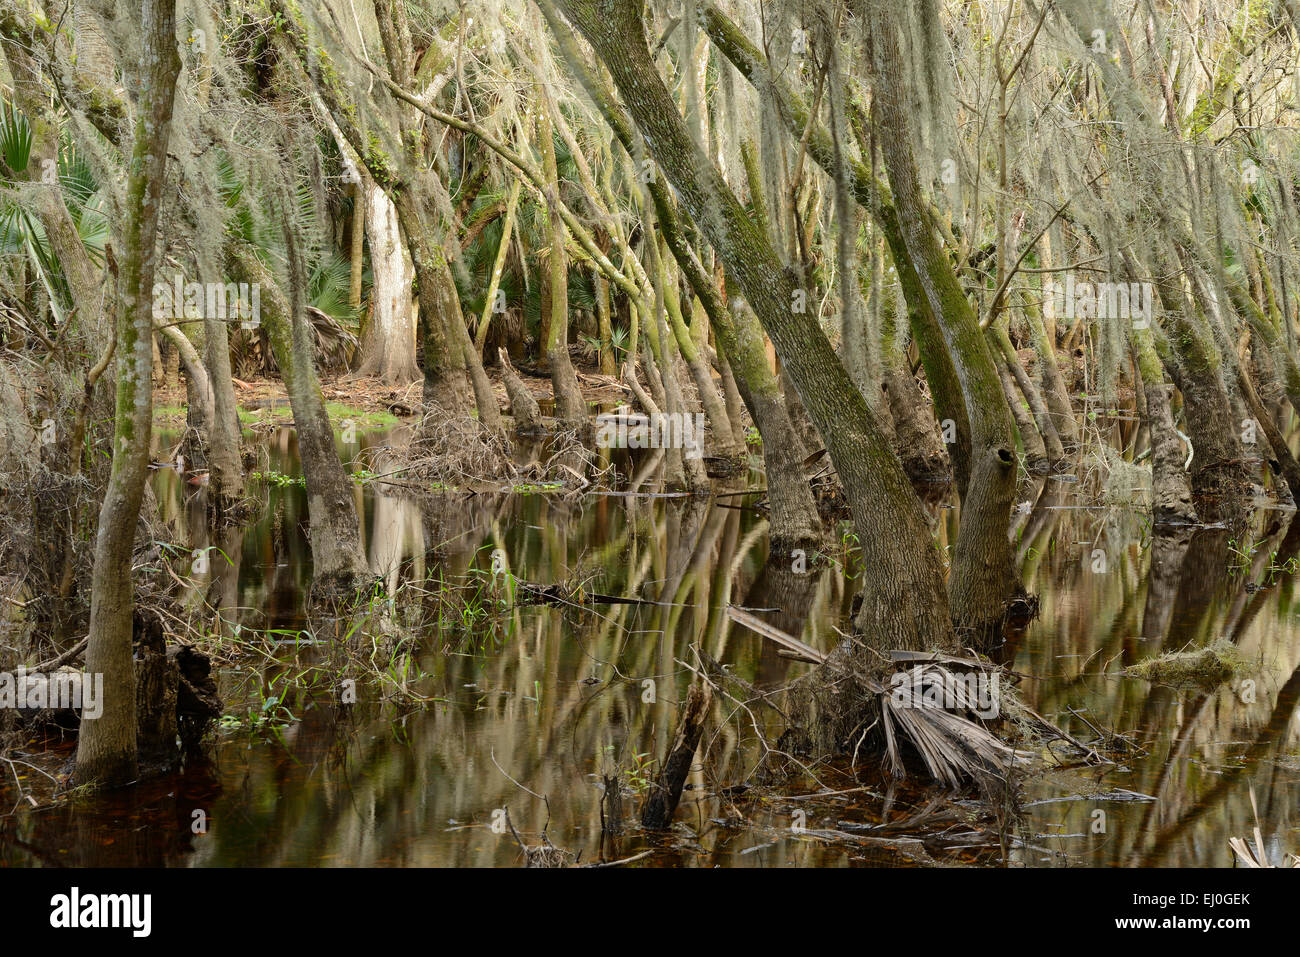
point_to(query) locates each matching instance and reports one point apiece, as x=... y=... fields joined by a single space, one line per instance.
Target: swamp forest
x=649 y=434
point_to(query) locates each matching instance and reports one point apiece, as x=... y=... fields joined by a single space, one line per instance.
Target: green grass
x=169 y=413
x=380 y=418
x=337 y=411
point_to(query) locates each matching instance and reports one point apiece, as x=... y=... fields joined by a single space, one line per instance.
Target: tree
x=106 y=747
x=905 y=604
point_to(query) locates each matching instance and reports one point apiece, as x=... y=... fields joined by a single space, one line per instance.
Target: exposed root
x=455 y=452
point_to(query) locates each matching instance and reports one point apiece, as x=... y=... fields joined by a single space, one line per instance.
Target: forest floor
x=369 y=401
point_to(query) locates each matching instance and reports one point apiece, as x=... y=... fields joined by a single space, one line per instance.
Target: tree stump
x=527 y=413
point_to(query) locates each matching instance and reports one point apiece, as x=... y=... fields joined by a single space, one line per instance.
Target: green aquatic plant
x=278 y=479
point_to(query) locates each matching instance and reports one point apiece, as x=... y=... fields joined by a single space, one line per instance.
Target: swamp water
x=496 y=700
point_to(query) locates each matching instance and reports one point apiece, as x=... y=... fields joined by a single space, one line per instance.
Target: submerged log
x=662 y=802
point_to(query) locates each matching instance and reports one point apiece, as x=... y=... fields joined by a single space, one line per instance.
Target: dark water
x=492 y=703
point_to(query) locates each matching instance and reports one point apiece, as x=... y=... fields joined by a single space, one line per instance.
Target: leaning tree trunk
x=904 y=604
x=338 y=560
x=1042 y=417
x=1171 y=493
x=945 y=388
x=715 y=409
x=794 y=519
x=570 y=409
x=691 y=462
x=498 y=266
x=106 y=746
x=1055 y=392
x=199 y=406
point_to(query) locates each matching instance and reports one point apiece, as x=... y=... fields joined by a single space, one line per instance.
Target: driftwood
x=667 y=791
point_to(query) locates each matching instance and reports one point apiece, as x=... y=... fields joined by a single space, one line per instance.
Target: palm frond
x=15 y=137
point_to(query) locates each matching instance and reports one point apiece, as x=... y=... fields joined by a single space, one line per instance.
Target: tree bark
x=338 y=560
x=570 y=408
x=388 y=346
x=1171 y=493
x=225 y=475
x=107 y=751
x=904 y=600
x=982 y=574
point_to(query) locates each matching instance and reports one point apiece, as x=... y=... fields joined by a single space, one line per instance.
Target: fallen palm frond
x=953 y=746
x=926 y=706
x=251 y=355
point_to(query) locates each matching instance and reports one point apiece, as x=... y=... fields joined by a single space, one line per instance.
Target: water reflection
x=538 y=707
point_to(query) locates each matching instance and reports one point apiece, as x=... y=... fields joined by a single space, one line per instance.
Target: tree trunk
x=918 y=443
x=1055 y=392
x=523 y=407
x=608 y=362
x=388 y=346
x=982 y=574
x=1030 y=441
x=225 y=476
x=945 y=388
x=570 y=408
x=904 y=600
x=715 y=410
x=1171 y=493
x=498 y=265
x=107 y=746
x=795 y=522
x=338 y=560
